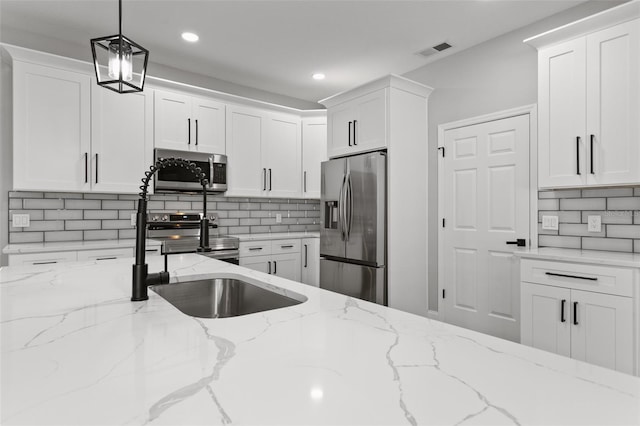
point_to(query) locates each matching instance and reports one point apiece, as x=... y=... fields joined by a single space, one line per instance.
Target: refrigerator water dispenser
x=331 y=214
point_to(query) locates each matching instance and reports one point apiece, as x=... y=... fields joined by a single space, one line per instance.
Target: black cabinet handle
x=106 y=258
x=96 y=168
x=355 y=139
x=288 y=246
x=45 y=263
x=575 y=313
x=591 y=157
x=189 y=131
x=269 y=179
x=578 y=155
x=349 y=133
x=196 y=132
x=520 y=242
x=562 y=303
x=86 y=167
x=275 y=267
x=306 y=252
x=264 y=179
x=255 y=248
x=269 y=266
x=572 y=276
x=304 y=180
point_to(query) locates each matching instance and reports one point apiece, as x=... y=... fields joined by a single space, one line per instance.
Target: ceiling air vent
x=435 y=49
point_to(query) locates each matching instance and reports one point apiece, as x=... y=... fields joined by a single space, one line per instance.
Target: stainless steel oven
x=172 y=179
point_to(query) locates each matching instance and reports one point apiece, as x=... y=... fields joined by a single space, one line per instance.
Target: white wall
x=493 y=76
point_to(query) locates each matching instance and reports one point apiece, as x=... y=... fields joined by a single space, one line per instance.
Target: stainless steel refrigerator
x=353 y=226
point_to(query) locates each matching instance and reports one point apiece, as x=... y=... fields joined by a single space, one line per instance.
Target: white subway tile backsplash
x=33 y=214
x=15 y=203
x=62 y=214
x=623 y=231
x=63 y=236
x=25 y=194
x=563 y=216
x=117 y=224
x=583 y=204
x=35 y=203
x=83 y=204
x=118 y=205
x=548 y=204
x=562 y=193
x=607 y=244
x=126 y=233
x=180 y=206
x=579 y=229
x=609 y=216
x=624 y=203
x=93 y=196
x=108 y=234
x=607 y=192
x=26 y=237
x=546 y=231
x=636 y=245
x=45 y=225
x=71 y=225
x=559 y=241
x=100 y=214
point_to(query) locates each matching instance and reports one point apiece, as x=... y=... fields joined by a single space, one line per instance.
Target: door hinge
x=443 y=222
x=443 y=293
x=441 y=148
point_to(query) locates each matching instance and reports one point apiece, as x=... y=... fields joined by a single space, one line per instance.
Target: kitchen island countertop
x=76 y=350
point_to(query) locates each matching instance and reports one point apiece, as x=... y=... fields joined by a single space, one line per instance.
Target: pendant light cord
x=120 y=17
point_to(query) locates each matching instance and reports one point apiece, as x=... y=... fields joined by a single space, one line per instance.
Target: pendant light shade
x=120 y=63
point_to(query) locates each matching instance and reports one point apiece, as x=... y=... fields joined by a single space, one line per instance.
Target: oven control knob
x=212 y=217
x=155 y=218
x=165 y=218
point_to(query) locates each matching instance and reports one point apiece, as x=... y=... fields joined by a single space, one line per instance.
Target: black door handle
x=562 y=303
x=575 y=313
x=269 y=267
x=189 y=131
x=196 y=132
x=86 y=167
x=591 y=157
x=520 y=242
x=306 y=250
x=355 y=141
x=349 y=133
x=96 y=168
x=578 y=155
x=275 y=267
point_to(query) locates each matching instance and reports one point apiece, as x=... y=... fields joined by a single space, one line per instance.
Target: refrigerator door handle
x=341 y=213
x=349 y=205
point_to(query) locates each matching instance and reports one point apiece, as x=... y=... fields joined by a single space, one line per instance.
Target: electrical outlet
x=133 y=219
x=594 y=223
x=550 y=223
x=21 y=220
x=278 y=218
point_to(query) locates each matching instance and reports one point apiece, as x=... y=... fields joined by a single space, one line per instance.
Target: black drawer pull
x=572 y=276
x=45 y=263
x=275 y=266
x=578 y=155
x=575 y=313
x=106 y=258
x=151 y=250
x=562 y=303
x=255 y=248
x=269 y=267
x=289 y=246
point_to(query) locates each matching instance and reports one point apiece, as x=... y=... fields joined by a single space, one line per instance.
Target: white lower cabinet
x=310 y=261
x=277 y=257
x=25 y=259
x=106 y=254
x=582 y=311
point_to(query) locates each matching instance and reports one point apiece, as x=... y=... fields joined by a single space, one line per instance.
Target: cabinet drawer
x=105 y=254
x=42 y=258
x=601 y=279
x=254 y=248
x=285 y=246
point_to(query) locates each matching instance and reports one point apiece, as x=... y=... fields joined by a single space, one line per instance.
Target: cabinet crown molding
x=391 y=80
x=607 y=18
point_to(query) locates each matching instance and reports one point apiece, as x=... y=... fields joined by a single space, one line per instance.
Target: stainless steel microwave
x=177 y=179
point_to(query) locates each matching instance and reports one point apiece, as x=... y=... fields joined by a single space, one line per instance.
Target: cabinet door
x=172 y=120
x=561 y=115
x=613 y=96
x=281 y=151
x=207 y=127
x=122 y=139
x=245 y=174
x=310 y=261
x=340 y=125
x=370 y=127
x=602 y=330
x=544 y=324
x=42 y=258
x=257 y=263
x=105 y=254
x=286 y=266
x=314 y=152
x=52 y=129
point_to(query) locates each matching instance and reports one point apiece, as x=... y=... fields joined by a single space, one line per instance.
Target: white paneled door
x=486 y=208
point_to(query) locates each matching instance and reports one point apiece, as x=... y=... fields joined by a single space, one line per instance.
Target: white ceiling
x=276 y=45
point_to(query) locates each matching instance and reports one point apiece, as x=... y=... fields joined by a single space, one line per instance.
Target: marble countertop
x=610 y=258
x=76 y=351
x=54 y=246
x=276 y=236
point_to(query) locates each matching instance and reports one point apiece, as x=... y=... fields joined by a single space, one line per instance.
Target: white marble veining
x=55 y=246
x=76 y=351
x=631 y=260
x=277 y=236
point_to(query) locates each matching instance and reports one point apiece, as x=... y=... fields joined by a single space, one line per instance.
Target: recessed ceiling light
x=192 y=37
x=318 y=76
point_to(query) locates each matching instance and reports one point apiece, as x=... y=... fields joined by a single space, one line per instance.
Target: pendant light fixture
x=120 y=63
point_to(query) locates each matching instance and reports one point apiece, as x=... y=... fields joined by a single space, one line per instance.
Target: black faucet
x=141 y=277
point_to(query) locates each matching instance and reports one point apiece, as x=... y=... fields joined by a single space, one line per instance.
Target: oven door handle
x=210 y=172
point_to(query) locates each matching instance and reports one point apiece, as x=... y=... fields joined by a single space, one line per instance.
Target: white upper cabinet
x=51 y=128
x=358 y=125
x=264 y=151
x=589 y=94
x=120 y=124
x=185 y=122
x=314 y=152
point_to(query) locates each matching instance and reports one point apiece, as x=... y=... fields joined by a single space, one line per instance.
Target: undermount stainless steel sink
x=225 y=297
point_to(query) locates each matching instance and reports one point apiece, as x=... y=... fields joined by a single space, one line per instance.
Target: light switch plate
x=21 y=220
x=550 y=223
x=133 y=219
x=278 y=218
x=594 y=223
